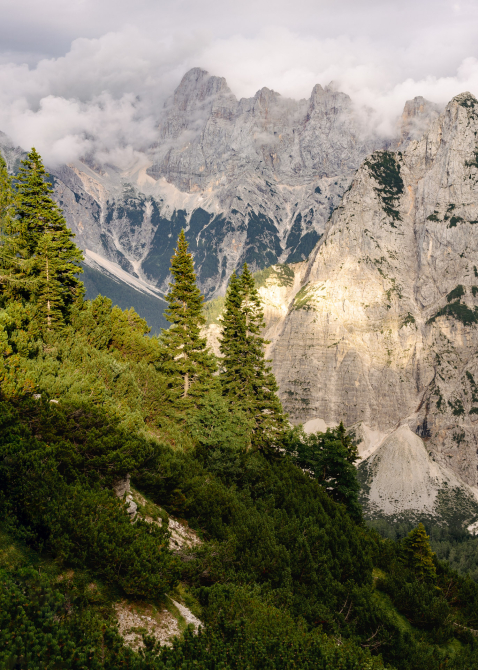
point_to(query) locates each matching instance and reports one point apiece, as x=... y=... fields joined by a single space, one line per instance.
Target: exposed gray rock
x=400 y=478
x=122 y=486
x=384 y=326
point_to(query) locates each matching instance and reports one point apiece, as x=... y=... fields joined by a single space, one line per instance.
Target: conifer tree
x=329 y=457
x=13 y=265
x=187 y=360
x=246 y=378
x=45 y=243
x=419 y=556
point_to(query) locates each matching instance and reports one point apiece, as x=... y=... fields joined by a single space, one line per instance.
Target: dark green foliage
x=454 y=220
x=15 y=264
x=43 y=237
x=385 y=169
x=246 y=378
x=457 y=407
x=449 y=543
x=473 y=386
x=474 y=290
x=38 y=629
x=408 y=320
x=186 y=360
x=47 y=487
x=418 y=554
x=284 y=573
x=272 y=525
x=329 y=457
x=456 y=294
x=458 y=311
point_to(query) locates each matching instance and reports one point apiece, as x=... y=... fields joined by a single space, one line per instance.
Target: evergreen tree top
x=36 y=210
x=419 y=555
x=184 y=299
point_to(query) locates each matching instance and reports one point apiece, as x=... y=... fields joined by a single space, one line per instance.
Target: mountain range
x=366 y=255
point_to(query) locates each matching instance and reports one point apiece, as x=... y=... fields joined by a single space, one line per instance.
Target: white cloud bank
x=104 y=96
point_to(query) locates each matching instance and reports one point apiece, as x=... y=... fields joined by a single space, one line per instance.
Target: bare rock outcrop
x=382 y=325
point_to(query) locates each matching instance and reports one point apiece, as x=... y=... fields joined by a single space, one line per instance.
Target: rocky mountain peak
x=416 y=118
x=196 y=87
x=465 y=99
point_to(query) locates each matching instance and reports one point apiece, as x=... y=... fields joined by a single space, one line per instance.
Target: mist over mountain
x=252 y=180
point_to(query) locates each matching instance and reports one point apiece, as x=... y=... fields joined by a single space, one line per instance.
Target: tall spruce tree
x=14 y=266
x=45 y=243
x=246 y=378
x=187 y=360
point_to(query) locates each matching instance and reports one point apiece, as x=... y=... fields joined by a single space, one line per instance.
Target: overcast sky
x=83 y=75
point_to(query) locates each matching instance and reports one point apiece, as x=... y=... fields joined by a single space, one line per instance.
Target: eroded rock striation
x=382 y=321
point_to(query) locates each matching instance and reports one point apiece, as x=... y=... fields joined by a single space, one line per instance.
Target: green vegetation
x=458 y=311
x=454 y=220
x=303 y=297
x=419 y=555
x=456 y=294
x=408 y=320
x=213 y=309
x=287 y=574
x=457 y=407
x=187 y=362
x=282 y=274
x=384 y=167
x=473 y=385
x=330 y=458
x=449 y=543
x=247 y=380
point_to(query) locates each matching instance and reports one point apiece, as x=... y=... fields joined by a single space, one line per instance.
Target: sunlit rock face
x=384 y=326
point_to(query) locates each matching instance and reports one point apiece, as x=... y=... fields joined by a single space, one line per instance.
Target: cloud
x=102 y=95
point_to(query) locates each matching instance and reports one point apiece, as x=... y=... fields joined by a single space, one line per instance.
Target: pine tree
x=246 y=378
x=14 y=266
x=329 y=457
x=46 y=244
x=418 y=553
x=187 y=360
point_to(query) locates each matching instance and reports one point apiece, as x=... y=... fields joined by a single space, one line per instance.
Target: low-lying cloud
x=103 y=98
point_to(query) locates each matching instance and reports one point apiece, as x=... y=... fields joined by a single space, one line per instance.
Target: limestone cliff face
x=384 y=326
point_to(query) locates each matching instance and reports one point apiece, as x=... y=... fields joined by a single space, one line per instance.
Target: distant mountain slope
x=150 y=308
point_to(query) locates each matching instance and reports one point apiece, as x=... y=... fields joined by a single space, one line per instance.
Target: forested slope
x=287 y=575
